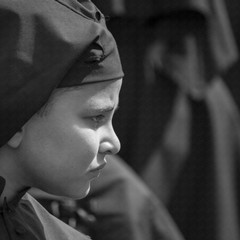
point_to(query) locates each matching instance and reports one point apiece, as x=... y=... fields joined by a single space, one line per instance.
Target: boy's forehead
x=46 y=45
x=109 y=88
x=101 y=93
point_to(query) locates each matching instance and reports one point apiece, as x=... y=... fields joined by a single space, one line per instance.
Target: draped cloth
x=125 y=208
x=199 y=181
x=194 y=163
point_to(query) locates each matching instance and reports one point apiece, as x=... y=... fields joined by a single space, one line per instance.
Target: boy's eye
x=98 y=118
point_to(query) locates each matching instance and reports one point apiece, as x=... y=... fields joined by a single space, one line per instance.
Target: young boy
x=60 y=77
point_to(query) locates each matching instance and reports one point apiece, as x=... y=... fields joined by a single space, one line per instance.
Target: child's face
x=60 y=152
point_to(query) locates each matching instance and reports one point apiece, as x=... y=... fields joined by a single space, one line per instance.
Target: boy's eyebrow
x=108 y=109
x=104 y=109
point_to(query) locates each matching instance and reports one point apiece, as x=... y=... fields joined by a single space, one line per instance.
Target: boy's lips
x=98 y=168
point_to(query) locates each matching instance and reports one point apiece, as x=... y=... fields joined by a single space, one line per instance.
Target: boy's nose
x=111 y=143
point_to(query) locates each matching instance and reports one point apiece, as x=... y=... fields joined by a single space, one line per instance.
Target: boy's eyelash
x=98 y=118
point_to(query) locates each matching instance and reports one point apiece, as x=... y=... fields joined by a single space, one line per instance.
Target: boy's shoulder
x=54 y=228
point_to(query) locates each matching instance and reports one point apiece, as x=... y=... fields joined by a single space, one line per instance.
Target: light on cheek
x=87 y=139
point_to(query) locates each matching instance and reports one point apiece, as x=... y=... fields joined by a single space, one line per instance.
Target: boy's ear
x=16 y=140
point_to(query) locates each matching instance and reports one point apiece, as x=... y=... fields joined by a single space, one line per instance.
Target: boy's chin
x=80 y=194
x=73 y=194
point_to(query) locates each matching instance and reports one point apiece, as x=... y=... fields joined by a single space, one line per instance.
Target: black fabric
x=191 y=202
x=200 y=183
x=18 y=219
